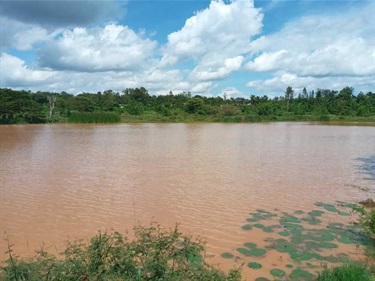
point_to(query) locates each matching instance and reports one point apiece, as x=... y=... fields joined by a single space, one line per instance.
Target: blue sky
x=238 y=47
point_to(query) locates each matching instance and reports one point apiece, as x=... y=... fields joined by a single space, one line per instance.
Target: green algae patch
x=262 y=279
x=300 y=274
x=247 y=227
x=256 y=252
x=227 y=255
x=250 y=245
x=316 y=213
x=254 y=265
x=277 y=272
x=346 y=214
x=289 y=266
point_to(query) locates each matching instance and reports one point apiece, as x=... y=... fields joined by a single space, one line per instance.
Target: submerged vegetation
x=136 y=105
x=154 y=254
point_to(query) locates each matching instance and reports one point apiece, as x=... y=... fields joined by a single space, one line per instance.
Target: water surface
x=68 y=181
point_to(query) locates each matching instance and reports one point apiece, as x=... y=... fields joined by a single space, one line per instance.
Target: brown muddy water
x=69 y=181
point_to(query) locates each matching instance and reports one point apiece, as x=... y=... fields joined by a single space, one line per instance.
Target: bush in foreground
x=348 y=272
x=154 y=254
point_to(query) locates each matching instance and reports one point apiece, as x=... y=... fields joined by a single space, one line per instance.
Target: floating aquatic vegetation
x=316 y=213
x=289 y=219
x=271 y=228
x=312 y=220
x=257 y=252
x=328 y=245
x=277 y=272
x=259 y=225
x=260 y=215
x=330 y=208
x=254 y=265
x=284 y=233
x=243 y=251
x=301 y=242
x=262 y=279
x=247 y=227
x=250 y=245
x=226 y=255
x=300 y=274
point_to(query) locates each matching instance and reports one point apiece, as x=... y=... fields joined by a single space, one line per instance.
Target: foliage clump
x=348 y=272
x=154 y=254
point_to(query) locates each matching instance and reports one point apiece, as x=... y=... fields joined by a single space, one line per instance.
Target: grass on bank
x=191 y=118
x=94 y=117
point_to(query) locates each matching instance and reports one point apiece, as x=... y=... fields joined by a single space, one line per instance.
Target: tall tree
x=289 y=95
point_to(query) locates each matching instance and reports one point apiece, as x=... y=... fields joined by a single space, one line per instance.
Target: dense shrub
x=154 y=254
x=348 y=272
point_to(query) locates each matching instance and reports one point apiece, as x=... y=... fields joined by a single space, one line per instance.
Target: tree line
x=132 y=104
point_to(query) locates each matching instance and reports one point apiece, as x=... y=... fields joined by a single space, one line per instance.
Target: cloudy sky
x=238 y=47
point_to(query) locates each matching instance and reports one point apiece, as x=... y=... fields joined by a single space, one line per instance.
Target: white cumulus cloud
x=326 y=49
x=215 y=39
x=14 y=72
x=114 y=47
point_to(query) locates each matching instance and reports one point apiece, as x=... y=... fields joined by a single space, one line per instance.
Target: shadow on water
x=366 y=167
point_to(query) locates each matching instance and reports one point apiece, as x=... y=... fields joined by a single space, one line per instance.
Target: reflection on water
x=367 y=167
x=60 y=181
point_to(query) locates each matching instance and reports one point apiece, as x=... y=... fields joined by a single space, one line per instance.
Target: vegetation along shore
x=137 y=105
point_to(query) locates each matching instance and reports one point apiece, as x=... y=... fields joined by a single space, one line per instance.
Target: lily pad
x=312 y=220
x=257 y=252
x=254 y=265
x=244 y=251
x=319 y=204
x=289 y=266
x=299 y=274
x=259 y=225
x=284 y=233
x=346 y=214
x=328 y=245
x=316 y=213
x=250 y=245
x=226 y=255
x=289 y=219
x=247 y=227
x=270 y=229
x=330 y=208
x=277 y=272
